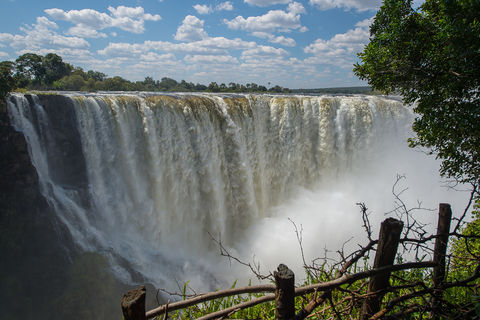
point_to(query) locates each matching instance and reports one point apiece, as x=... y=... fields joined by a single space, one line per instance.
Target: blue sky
x=295 y=44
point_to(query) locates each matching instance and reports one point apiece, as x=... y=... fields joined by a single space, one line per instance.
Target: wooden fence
x=283 y=292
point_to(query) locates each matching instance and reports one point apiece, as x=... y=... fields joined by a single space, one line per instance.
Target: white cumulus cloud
x=273 y=20
x=85 y=32
x=208 y=46
x=284 y=41
x=205 y=9
x=227 y=6
x=42 y=36
x=265 y=3
x=360 y=5
x=88 y=21
x=210 y=59
x=191 y=30
x=341 y=49
x=137 y=13
x=154 y=57
x=6 y=37
x=296 y=8
x=264 y=51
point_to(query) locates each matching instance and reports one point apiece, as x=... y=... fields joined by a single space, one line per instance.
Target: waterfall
x=148 y=179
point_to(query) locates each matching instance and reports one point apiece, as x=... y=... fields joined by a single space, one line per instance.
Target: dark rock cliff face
x=43 y=275
x=32 y=244
x=69 y=169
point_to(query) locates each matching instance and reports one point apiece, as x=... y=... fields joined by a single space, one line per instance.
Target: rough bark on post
x=388 y=239
x=440 y=251
x=284 y=293
x=133 y=304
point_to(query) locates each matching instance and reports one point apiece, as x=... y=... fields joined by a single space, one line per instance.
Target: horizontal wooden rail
x=235 y=308
x=210 y=296
x=350 y=278
x=324 y=286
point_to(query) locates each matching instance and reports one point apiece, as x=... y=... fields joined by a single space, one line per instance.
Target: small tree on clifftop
x=7 y=81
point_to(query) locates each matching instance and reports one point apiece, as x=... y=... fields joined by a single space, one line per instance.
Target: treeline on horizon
x=31 y=71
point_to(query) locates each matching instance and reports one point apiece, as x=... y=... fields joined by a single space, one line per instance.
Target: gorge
x=146 y=180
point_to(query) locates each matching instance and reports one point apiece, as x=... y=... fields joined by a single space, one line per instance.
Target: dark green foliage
x=95 y=75
x=167 y=84
x=149 y=84
x=32 y=71
x=431 y=56
x=465 y=258
x=54 y=68
x=7 y=80
x=29 y=70
x=117 y=84
x=74 y=82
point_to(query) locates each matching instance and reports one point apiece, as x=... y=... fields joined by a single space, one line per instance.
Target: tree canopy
x=50 y=72
x=7 y=81
x=431 y=56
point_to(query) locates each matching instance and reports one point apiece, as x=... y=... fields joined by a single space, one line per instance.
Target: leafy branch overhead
x=431 y=56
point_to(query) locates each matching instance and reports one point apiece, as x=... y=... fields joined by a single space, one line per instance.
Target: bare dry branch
x=366 y=221
x=467 y=207
x=254 y=267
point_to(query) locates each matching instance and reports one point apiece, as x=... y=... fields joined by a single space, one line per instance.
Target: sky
x=294 y=44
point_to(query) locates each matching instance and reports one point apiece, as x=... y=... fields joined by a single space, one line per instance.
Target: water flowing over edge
x=148 y=179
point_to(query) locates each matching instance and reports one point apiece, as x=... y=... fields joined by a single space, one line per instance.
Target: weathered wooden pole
x=284 y=293
x=133 y=304
x=440 y=251
x=388 y=239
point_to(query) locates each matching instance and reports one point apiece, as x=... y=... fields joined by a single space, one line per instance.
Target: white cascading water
x=166 y=172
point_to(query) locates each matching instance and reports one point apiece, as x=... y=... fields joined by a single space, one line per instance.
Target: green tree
x=262 y=88
x=97 y=76
x=117 y=84
x=186 y=86
x=70 y=83
x=7 y=81
x=213 y=87
x=54 y=68
x=89 y=85
x=465 y=258
x=29 y=70
x=276 y=89
x=200 y=87
x=467 y=250
x=78 y=71
x=149 y=84
x=167 y=84
x=431 y=56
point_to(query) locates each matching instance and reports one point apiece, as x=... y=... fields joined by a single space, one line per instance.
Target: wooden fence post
x=284 y=293
x=133 y=304
x=440 y=251
x=388 y=239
